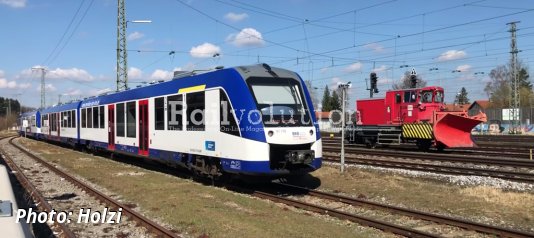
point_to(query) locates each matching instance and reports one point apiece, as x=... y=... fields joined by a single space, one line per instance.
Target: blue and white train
x=247 y=120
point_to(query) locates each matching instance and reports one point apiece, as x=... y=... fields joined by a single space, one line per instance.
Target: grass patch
x=485 y=204
x=195 y=209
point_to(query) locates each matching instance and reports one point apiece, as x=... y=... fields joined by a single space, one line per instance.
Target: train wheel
x=424 y=144
x=440 y=147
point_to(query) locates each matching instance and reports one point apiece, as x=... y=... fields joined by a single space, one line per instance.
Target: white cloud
x=14 y=3
x=353 y=67
x=135 y=73
x=48 y=88
x=58 y=73
x=235 y=17
x=100 y=91
x=375 y=47
x=325 y=70
x=25 y=85
x=452 y=55
x=247 y=37
x=205 y=50
x=4 y=83
x=160 y=74
x=464 y=68
x=73 y=92
x=135 y=36
x=382 y=68
x=69 y=74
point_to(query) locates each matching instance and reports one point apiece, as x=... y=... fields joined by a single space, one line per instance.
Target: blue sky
x=324 y=41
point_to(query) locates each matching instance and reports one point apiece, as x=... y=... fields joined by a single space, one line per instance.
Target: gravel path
x=65 y=197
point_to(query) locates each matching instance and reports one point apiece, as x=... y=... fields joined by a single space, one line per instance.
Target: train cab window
x=410 y=96
x=130 y=119
x=84 y=122
x=95 y=117
x=426 y=97
x=119 y=126
x=89 y=117
x=398 y=98
x=195 y=111
x=175 y=113
x=101 y=117
x=227 y=118
x=439 y=96
x=73 y=118
x=159 y=113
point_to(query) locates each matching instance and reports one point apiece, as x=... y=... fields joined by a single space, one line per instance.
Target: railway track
x=437 y=218
x=452 y=158
x=150 y=225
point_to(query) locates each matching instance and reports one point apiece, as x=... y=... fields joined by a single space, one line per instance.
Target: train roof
x=230 y=79
x=61 y=107
x=422 y=88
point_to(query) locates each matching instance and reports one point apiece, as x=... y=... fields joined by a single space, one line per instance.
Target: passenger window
x=84 y=122
x=159 y=113
x=227 y=118
x=175 y=112
x=62 y=121
x=95 y=117
x=130 y=119
x=195 y=111
x=398 y=98
x=89 y=117
x=69 y=116
x=120 y=120
x=73 y=118
x=101 y=116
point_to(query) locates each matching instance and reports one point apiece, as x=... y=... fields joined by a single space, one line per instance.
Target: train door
x=58 y=116
x=143 y=127
x=111 y=126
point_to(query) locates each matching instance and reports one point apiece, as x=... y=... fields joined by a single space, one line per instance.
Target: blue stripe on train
x=228 y=165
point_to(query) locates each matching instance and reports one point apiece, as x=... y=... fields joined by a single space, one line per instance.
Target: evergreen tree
x=335 y=101
x=327 y=102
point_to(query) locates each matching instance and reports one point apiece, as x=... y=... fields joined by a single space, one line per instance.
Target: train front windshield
x=281 y=101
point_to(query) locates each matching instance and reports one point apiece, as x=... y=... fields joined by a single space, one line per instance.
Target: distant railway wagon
x=415 y=115
x=247 y=120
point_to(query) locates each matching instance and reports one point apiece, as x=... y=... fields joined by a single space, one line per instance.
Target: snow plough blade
x=454 y=130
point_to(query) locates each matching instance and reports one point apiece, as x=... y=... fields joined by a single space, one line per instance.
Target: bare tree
x=405 y=82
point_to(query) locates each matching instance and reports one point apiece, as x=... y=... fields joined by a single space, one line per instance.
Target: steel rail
x=145 y=222
x=518 y=163
x=38 y=199
x=452 y=170
x=457 y=222
x=385 y=226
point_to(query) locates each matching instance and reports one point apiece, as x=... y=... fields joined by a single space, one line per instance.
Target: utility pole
x=514 y=81
x=122 y=54
x=343 y=88
x=43 y=91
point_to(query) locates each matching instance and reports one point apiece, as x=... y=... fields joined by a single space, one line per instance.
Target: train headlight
x=270 y=133
x=311 y=132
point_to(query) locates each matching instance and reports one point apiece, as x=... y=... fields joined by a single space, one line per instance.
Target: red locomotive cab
x=413 y=105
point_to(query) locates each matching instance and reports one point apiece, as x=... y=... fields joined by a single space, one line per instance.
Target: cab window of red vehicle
x=427 y=97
